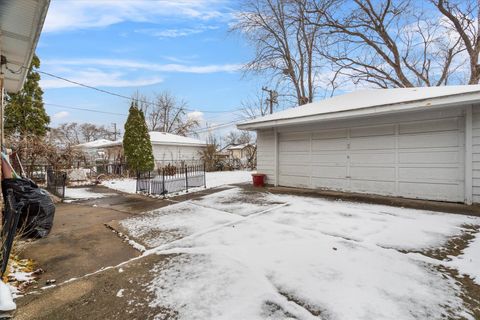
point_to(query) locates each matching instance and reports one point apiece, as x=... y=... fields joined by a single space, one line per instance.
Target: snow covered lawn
x=213 y=180
x=247 y=255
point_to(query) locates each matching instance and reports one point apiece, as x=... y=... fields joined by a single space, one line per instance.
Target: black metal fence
x=56 y=182
x=170 y=179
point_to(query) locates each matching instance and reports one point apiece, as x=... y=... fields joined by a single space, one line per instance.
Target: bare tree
x=231 y=138
x=255 y=107
x=464 y=20
x=284 y=43
x=72 y=133
x=393 y=43
x=167 y=114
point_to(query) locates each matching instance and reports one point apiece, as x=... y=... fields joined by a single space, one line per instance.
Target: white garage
x=409 y=142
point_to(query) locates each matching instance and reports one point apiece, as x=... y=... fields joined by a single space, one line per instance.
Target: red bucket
x=258 y=179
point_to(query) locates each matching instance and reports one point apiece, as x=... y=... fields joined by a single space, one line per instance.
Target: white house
x=167 y=149
x=171 y=148
x=410 y=142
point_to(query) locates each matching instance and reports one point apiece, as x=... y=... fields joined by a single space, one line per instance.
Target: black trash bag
x=36 y=219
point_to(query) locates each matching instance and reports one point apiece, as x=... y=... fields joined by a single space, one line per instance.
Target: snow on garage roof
x=97 y=144
x=173 y=139
x=367 y=102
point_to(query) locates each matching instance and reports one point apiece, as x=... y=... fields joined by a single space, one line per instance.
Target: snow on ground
x=165 y=225
x=312 y=257
x=82 y=194
x=213 y=180
x=6 y=299
x=468 y=263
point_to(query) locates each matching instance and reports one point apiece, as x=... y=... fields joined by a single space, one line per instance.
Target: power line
x=117 y=94
x=84 y=109
x=103 y=90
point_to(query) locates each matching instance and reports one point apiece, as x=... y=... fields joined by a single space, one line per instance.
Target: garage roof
x=157 y=138
x=369 y=102
x=173 y=139
x=21 y=22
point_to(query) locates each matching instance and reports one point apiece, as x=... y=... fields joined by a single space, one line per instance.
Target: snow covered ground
x=72 y=194
x=213 y=179
x=247 y=255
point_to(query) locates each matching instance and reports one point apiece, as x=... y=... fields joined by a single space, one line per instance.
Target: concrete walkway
x=82 y=242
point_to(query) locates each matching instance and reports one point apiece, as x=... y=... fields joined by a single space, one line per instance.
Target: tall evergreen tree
x=136 y=141
x=24 y=112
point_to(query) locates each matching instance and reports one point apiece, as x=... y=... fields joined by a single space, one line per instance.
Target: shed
x=419 y=143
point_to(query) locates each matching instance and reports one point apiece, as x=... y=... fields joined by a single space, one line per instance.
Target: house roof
x=369 y=102
x=21 y=22
x=164 y=138
x=98 y=144
x=238 y=146
x=157 y=138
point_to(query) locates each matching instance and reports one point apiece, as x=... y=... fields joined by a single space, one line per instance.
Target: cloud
x=60 y=115
x=98 y=78
x=196 y=115
x=68 y=15
x=175 y=33
x=130 y=64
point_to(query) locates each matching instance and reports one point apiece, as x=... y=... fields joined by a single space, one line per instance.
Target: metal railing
x=171 y=179
x=56 y=182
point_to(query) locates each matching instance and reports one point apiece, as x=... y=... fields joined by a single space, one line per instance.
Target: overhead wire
x=201 y=130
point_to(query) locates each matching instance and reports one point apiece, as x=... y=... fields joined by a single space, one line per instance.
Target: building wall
x=166 y=153
x=476 y=152
x=266 y=154
x=396 y=155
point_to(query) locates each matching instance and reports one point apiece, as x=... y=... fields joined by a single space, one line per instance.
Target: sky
x=182 y=46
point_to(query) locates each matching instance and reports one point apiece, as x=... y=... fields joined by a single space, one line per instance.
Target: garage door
x=415 y=159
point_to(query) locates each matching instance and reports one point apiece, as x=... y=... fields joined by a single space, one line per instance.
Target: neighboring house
x=240 y=151
x=167 y=149
x=241 y=155
x=410 y=142
x=101 y=151
x=171 y=148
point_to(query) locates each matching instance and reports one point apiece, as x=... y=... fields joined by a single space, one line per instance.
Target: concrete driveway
x=243 y=254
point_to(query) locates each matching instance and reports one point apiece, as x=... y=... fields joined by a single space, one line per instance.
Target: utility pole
x=115 y=132
x=273 y=97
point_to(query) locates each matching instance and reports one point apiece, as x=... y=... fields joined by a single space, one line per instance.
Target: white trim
x=276 y=156
x=447 y=101
x=468 y=155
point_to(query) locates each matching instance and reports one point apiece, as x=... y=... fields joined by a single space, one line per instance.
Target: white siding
x=266 y=154
x=476 y=153
x=175 y=153
x=416 y=155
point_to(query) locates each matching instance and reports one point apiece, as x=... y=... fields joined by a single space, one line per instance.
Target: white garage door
x=415 y=159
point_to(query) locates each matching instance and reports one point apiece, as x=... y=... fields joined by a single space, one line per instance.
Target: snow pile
x=6 y=299
x=213 y=180
x=309 y=259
